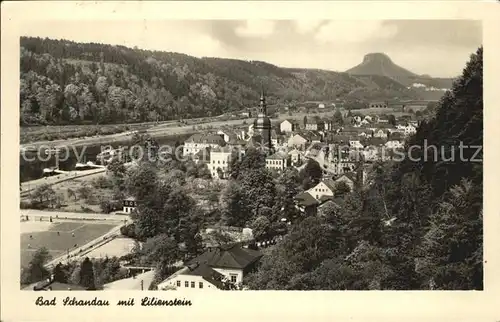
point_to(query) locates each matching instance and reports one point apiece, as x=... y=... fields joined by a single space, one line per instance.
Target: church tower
x=262 y=124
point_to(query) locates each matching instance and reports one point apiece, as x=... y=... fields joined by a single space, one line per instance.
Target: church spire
x=263 y=107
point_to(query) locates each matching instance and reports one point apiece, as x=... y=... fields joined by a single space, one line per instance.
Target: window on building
x=233 y=278
x=178 y=283
x=186 y=284
x=201 y=284
x=192 y=285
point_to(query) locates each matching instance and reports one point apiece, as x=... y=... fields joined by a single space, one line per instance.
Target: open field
x=58 y=237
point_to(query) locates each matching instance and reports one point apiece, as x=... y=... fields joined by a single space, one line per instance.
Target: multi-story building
x=220 y=158
x=129 y=205
x=200 y=141
x=278 y=161
x=315 y=124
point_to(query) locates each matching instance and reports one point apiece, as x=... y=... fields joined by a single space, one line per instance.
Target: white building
x=129 y=205
x=380 y=134
x=355 y=144
x=410 y=130
x=393 y=144
x=198 y=142
x=288 y=126
x=278 y=161
x=217 y=268
x=220 y=158
x=367 y=134
x=229 y=135
x=196 y=278
x=297 y=141
x=325 y=188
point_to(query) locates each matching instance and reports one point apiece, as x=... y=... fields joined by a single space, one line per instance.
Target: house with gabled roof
x=306 y=204
x=288 y=126
x=380 y=133
x=229 y=135
x=337 y=202
x=326 y=187
x=349 y=178
x=297 y=141
x=295 y=156
x=222 y=267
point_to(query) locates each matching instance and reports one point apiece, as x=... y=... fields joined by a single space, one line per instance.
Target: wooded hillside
x=64 y=82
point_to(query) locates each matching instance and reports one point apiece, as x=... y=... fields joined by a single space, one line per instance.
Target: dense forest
x=64 y=82
x=418 y=225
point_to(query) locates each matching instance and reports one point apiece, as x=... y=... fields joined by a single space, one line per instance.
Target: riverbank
x=162 y=130
x=31 y=185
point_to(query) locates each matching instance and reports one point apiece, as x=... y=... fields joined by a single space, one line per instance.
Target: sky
x=439 y=48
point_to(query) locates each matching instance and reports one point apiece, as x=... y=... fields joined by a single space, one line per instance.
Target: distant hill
x=65 y=82
x=381 y=64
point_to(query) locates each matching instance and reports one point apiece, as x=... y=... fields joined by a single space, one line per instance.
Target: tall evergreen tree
x=87 y=274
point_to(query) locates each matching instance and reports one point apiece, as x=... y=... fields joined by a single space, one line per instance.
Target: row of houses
x=366 y=123
x=293 y=150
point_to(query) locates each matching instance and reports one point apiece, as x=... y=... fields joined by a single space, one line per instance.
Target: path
x=73 y=215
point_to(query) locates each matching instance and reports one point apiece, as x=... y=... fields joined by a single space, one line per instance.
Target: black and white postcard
x=184 y=159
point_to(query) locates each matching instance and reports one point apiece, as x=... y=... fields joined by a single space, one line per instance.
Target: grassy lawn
x=58 y=244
